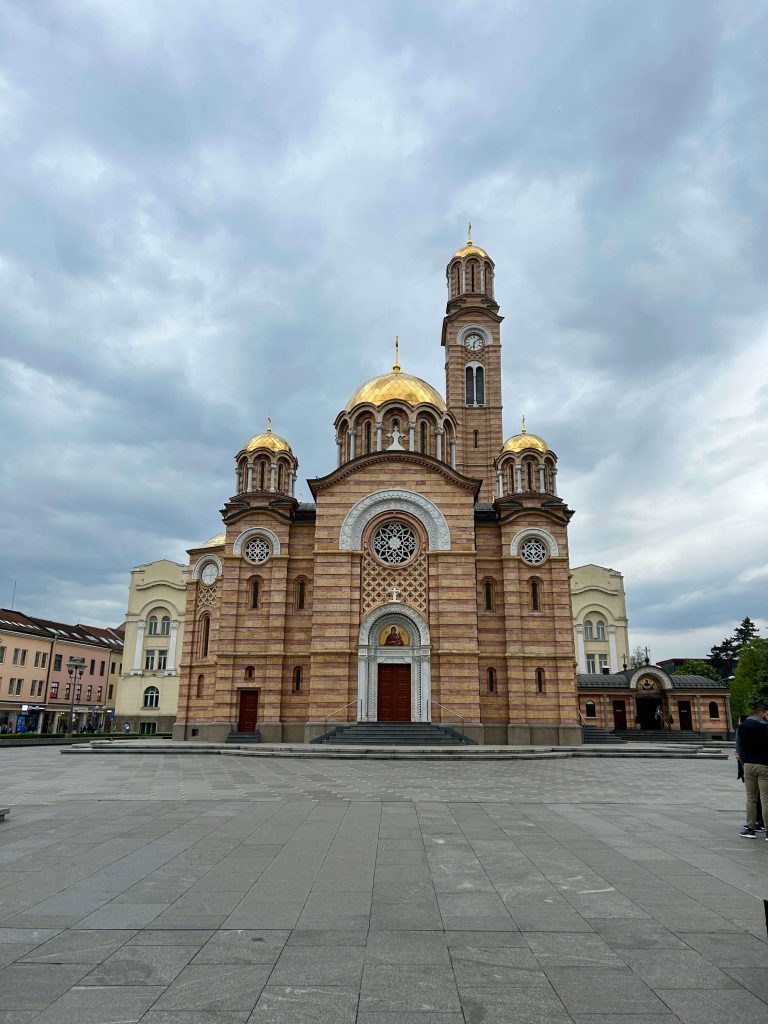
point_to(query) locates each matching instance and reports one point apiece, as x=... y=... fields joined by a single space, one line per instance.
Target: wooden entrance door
x=684 y=713
x=619 y=716
x=394 y=699
x=249 y=711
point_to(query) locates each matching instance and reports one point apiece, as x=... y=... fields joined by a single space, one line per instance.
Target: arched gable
x=421 y=508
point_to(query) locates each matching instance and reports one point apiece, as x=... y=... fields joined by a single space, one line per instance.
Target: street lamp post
x=75 y=670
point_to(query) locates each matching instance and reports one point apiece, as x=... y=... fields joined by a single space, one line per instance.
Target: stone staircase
x=669 y=736
x=591 y=734
x=395 y=734
x=244 y=737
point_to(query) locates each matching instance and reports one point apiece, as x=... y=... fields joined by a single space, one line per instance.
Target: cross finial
x=396 y=367
x=269 y=424
x=523 y=430
x=469 y=233
x=394 y=594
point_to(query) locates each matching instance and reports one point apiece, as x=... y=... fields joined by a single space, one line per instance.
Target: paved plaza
x=218 y=890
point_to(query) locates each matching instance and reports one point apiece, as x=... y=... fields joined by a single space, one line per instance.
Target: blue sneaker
x=747 y=833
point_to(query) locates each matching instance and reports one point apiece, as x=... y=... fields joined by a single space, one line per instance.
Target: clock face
x=473 y=343
x=209 y=574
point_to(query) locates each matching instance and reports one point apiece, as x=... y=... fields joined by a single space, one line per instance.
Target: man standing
x=752 y=751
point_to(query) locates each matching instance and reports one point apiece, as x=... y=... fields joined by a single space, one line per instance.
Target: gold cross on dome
x=469 y=233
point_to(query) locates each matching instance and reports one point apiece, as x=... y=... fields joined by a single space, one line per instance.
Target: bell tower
x=472 y=341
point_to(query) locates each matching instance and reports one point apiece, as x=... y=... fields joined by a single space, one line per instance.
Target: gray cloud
x=212 y=215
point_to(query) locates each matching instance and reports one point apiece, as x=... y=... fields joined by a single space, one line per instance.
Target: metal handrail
x=344 y=708
x=442 y=707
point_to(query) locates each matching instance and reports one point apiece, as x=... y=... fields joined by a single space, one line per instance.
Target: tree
x=698 y=668
x=751 y=677
x=745 y=633
x=723 y=656
x=638 y=657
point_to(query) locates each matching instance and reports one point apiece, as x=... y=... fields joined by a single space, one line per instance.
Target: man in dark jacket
x=752 y=751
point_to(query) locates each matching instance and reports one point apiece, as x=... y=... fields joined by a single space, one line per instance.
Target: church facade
x=428 y=580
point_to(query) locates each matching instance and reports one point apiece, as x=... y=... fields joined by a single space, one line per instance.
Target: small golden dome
x=273 y=442
x=214 y=542
x=396 y=385
x=522 y=441
x=470 y=249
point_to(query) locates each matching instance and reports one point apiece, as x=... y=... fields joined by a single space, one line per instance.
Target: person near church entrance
x=752 y=751
x=659 y=718
x=759 y=822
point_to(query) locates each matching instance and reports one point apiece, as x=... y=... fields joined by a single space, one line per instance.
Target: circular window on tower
x=257 y=550
x=394 y=543
x=533 y=551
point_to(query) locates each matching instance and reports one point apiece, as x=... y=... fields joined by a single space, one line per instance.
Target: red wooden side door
x=684 y=712
x=394 y=698
x=619 y=715
x=249 y=711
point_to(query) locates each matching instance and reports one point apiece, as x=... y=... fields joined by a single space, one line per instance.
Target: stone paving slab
x=200 y=890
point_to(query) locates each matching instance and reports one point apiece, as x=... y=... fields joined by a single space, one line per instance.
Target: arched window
x=250 y=672
x=368 y=437
x=511 y=478
x=539 y=680
x=255 y=593
x=457 y=279
x=489 y=596
x=474 y=384
x=262 y=472
x=472 y=266
x=590 y=709
x=588 y=630
x=205 y=635
x=200 y=686
x=535 y=590
x=475 y=438
x=600 y=630
x=491 y=679
x=423 y=440
x=297 y=674
x=280 y=477
x=395 y=424
x=714 y=709
x=165 y=625
x=301 y=595
x=152 y=625
x=151 y=697
x=529 y=475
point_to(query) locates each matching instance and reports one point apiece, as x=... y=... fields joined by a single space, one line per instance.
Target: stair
x=591 y=734
x=395 y=734
x=244 y=737
x=672 y=735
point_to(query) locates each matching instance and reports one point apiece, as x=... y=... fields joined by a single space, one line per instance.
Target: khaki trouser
x=755 y=780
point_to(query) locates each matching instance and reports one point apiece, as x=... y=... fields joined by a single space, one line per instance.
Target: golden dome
x=396 y=384
x=214 y=542
x=470 y=249
x=273 y=442
x=520 y=442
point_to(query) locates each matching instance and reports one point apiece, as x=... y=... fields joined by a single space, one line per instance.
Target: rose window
x=533 y=551
x=258 y=550
x=394 y=543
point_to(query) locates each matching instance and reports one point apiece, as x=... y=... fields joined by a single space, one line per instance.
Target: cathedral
x=428 y=581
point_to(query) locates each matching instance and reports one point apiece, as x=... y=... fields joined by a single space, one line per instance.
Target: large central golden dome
x=396 y=385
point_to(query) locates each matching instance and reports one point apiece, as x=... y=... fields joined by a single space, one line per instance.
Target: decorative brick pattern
x=378 y=581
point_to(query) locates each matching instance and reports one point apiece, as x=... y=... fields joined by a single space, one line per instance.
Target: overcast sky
x=212 y=212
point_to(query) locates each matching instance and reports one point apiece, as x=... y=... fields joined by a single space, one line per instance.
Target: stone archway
x=372 y=653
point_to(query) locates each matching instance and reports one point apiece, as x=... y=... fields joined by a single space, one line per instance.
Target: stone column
x=439 y=442
x=542 y=483
x=170 y=665
x=272 y=470
x=137 y=652
x=581 y=653
x=362 y=684
x=379 y=427
x=237 y=481
x=499 y=485
x=519 y=476
x=614 y=654
x=554 y=480
x=411 y=436
x=338 y=451
x=250 y=476
x=453 y=453
x=352 y=436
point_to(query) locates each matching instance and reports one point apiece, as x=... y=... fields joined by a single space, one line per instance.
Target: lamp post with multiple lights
x=75 y=670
